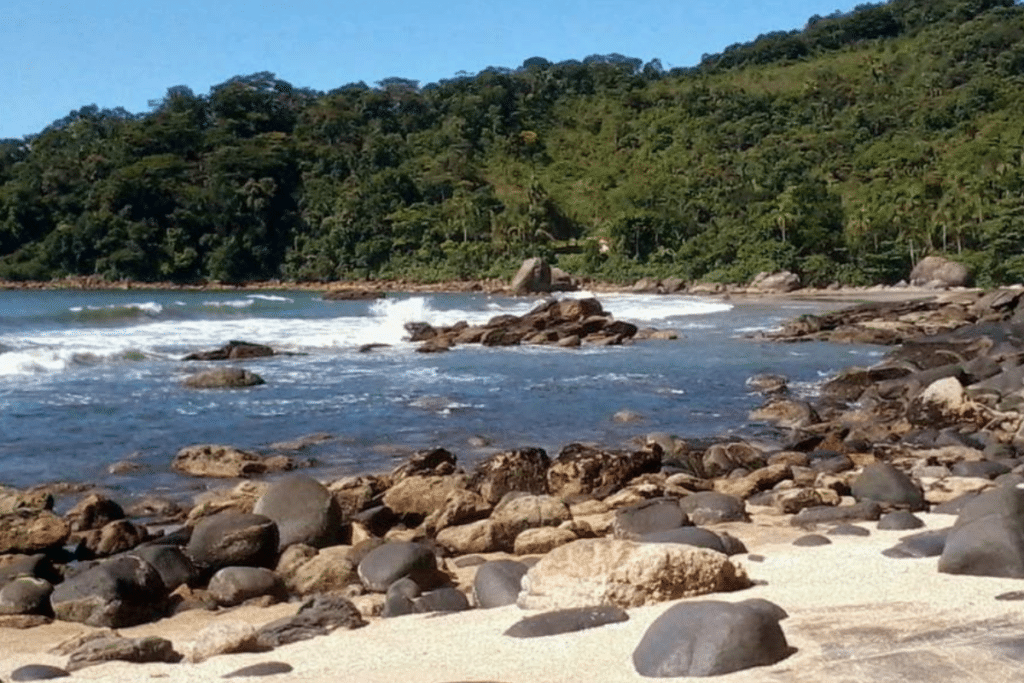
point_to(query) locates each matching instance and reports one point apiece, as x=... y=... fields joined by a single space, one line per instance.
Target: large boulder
x=886 y=485
x=390 y=562
x=583 y=469
x=304 y=512
x=26 y=595
x=234 y=585
x=782 y=281
x=712 y=638
x=524 y=469
x=648 y=517
x=533 y=277
x=497 y=583
x=233 y=350
x=233 y=539
x=123 y=591
x=604 y=571
x=936 y=271
x=518 y=512
x=31 y=531
x=988 y=537
x=711 y=507
x=422 y=495
x=170 y=562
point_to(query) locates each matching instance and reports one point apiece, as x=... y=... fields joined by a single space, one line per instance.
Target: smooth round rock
x=385 y=564
x=883 y=483
x=811 y=541
x=899 y=520
x=232 y=586
x=171 y=563
x=687 y=535
x=441 y=600
x=498 y=583
x=848 y=530
x=38 y=672
x=924 y=544
x=648 y=517
x=710 y=507
x=233 y=539
x=304 y=511
x=711 y=638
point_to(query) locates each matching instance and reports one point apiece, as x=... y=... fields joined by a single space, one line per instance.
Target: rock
x=232 y=586
x=884 y=484
x=260 y=669
x=223 y=378
x=864 y=511
x=233 y=539
x=782 y=281
x=329 y=570
x=38 y=565
x=768 y=383
x=351 y=295
x=582 y=469
x=318 y=615
x=421 y=495
x=171 y=563
x=386 y=564
x=924 y=544
x=112 y=647
x=116 y=537
x=498 y=583
x=988 y=536
x=304 y=512
x=38 y=672
x=712 y=638
x=566 y=621
x=459 y=507
x=233 y=350
x=484 y=536
x=446 y=599
x=541 y=540
x=524 y=469
x=650 y=516
x=689 y=535
x=794 y=500
x=227 y=462
x=591 y=572
x=899 y=519
x=533 y=277
x=13 y=500
x=711 y=507
x=123 y=591
x=222 y=638
x=26 y=595
x=848 y=530
x=31 y=531
x=432 y=462
x=786 y=413
x=517 y=512
x=811 y=541
x=93 y=512
x=936 y=271
x=760 y=479
x=24 y=621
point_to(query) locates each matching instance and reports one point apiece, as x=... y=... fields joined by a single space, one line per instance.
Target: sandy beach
x=854 y=615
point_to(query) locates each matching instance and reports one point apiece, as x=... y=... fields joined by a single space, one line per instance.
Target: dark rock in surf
x=233 y=350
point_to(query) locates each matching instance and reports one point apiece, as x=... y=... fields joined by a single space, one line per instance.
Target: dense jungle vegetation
x=845 y=151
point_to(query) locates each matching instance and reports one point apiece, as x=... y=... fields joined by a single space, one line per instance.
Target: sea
x=90 y=378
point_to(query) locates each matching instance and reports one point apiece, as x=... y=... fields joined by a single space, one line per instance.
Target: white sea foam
x=270 y=297
x=233 y=303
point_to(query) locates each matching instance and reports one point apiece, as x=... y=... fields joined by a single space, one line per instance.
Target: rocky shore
x=878 y=535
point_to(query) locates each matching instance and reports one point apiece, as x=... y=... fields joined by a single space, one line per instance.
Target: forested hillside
x=845 y=152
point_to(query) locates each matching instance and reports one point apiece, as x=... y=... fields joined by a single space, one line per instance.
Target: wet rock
x=227 y=462
x=524 y=469
x=233 y=539
x=123 y=591
x=304 y=512
x=112 y=647
x=233 y=350
x=711 y=638
x=318 y=615
x=591 y=572
x=232 y=586
x=497 y=583
x=566 y=621
x=582 y=469
x=223 y=378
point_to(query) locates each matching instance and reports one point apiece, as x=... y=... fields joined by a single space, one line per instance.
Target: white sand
x=854 y=616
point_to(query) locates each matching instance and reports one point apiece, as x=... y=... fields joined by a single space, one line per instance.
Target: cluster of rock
x=565 y=323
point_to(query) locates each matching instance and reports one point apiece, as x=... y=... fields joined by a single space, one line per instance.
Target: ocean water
x=91 y=378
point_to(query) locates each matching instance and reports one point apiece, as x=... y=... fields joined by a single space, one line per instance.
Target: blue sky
x=56 y=57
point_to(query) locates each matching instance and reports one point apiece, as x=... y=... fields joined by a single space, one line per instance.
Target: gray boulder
x=26 y=595
x=648 y=517
x=232 y=586
x=524 y=469
x=390 y=562
x=711 y=638
x=566 y=621
x=710 y=507
x=936 y=271
x=304 y=512
x=170 y=562
x=123 y=591
x=223 y=378
x=533 y=277
x=884 y=484
x=233 y=539
x=988 y=536
x=498 y=583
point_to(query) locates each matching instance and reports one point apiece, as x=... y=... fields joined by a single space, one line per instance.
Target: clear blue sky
x=56 y=57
